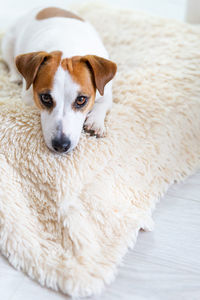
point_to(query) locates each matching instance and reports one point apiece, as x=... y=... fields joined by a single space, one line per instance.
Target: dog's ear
x=103 y=70
x=29 y=64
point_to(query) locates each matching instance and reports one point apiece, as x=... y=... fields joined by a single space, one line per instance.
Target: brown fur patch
x=44 y=80
x=52 y=12
x=81 y=75
x=103 y=70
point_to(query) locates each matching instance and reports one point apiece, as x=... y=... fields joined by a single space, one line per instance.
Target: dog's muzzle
x=61 y=144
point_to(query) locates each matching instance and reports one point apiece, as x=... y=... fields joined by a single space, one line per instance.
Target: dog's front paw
x=94 y=125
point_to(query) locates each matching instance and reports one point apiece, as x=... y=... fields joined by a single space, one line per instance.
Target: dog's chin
x=57 y=152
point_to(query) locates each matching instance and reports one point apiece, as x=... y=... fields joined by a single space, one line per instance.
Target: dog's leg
x=8 y=43
x=27 y=95
x=94 y=122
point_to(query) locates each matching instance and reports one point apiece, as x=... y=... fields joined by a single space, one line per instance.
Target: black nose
x=61 y=144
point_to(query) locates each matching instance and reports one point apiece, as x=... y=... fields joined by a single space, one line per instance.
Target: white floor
x=165 y=263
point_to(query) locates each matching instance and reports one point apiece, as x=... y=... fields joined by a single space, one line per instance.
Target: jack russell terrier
x=65 y=70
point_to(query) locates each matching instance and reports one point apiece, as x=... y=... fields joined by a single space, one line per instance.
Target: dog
x=65 y=71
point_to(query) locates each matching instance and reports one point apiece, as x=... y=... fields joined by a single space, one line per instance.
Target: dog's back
x=52 y=29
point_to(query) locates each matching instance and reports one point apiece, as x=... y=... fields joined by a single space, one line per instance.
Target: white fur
x=72 y=37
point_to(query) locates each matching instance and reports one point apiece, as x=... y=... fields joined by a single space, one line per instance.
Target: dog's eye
x=81 y=101
x=46 y=100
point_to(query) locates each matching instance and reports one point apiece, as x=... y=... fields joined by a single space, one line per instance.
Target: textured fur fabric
x=68 y=220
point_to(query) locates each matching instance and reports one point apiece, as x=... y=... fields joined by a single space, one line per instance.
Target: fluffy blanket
x=68 y=220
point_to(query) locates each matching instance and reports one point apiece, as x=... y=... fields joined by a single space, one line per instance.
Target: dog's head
x=64 y=90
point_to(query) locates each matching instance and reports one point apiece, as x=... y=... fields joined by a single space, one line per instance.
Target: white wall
x=193 y=11
x=11 y=9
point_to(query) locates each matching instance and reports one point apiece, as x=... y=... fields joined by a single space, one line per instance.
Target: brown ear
x=103 y=70
x=28 y=65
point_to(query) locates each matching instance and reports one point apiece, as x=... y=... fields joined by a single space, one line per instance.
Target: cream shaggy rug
x=67 y=221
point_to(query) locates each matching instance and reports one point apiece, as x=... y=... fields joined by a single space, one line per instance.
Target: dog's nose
x=61 y=144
